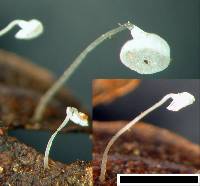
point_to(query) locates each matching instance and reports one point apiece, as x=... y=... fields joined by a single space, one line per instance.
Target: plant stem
x=46 y=157
x=121 y=131
x=44 y=100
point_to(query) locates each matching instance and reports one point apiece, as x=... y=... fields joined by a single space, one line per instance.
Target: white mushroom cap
x=29 y=29
x=146 y=53
x=180 y=101
x=77 y=117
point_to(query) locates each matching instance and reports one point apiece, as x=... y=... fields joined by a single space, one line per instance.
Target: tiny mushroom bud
x=29 y=29
x=74 y=115
x=146 y=53
x=179 y=101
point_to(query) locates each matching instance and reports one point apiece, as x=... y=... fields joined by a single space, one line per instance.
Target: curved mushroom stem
x=128 y=126
x=44 y=100
x=74 y=115
x=9 y=27
x=46 y=157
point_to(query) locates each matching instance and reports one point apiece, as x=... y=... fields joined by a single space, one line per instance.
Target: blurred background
x=71 y=25
x=185 y=122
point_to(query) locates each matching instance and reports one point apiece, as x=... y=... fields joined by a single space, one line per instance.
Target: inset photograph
x=54 y=150
x=145 y=127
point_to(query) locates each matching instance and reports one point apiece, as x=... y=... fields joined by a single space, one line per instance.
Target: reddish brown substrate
x=22 y=165
x=144 y=149
x=17 y=106
x=20 y=72
x=21 y=86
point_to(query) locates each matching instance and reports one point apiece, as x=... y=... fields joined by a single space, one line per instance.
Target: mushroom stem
x=180 y=101
x=74 y=115
x=9 y=27
x=44 y=100
x=46 y=157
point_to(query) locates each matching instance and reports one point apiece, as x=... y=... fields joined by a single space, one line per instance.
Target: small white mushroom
x=146 y=53
x=29 y=29
x=179 y=101
x=77 y=117
x=74 y=115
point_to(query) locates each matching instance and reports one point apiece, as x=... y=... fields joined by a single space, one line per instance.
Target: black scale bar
x=158 y=179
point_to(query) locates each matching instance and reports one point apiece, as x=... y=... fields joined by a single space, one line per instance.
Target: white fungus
x=179 y=101
x=29 y=29
x=77 y=117
x=74 y=115
x=146 y=53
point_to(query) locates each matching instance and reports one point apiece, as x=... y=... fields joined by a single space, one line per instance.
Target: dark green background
x=185 y=122
x=70 y=25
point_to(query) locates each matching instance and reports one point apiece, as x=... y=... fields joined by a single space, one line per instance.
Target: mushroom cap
x=77 y=117
x=180 y=101
x=29 y=29
x=146 y=53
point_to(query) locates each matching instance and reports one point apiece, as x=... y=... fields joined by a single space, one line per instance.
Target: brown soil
x=21 y=86
x=22 y=165
x=20 y=72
